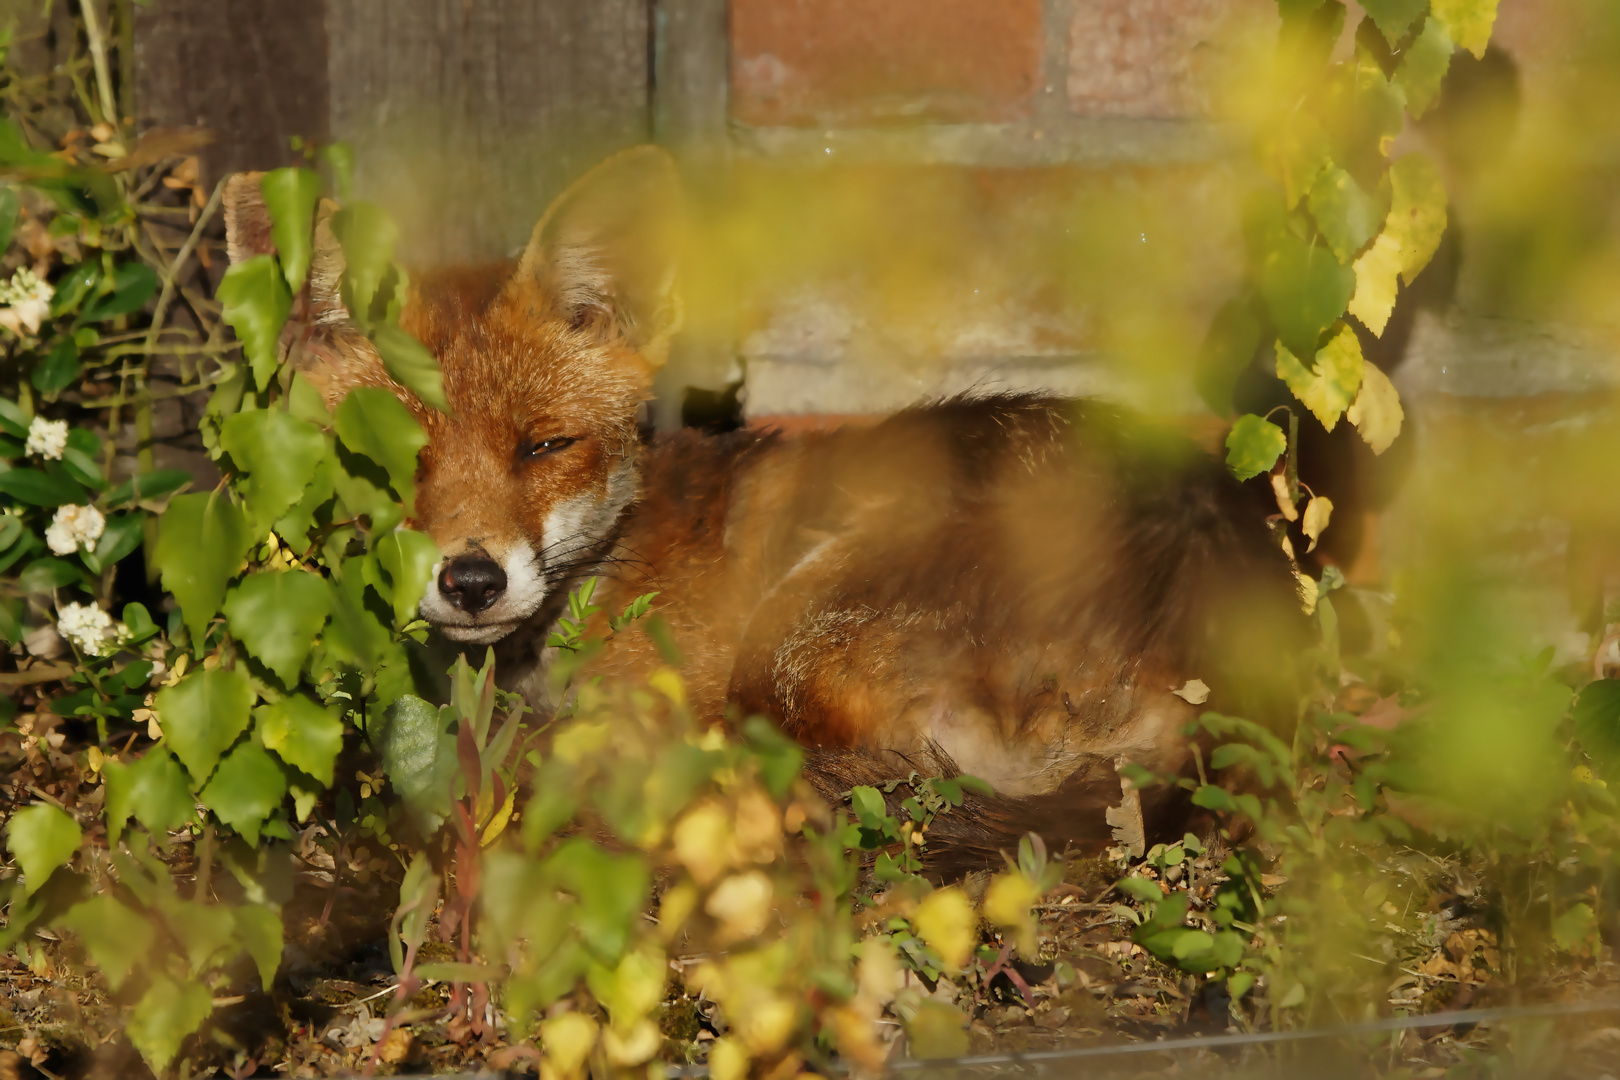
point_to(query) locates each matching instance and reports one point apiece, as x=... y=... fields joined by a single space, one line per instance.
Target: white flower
x=29 y=302
x=89 y=628
x=47 y=438
x=74 y=527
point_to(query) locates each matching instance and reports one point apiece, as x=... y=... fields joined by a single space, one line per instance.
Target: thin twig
x=98 y=55
x=180 y=258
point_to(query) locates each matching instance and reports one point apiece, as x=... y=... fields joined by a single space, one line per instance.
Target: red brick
x=1149 y=58
x=847 y=62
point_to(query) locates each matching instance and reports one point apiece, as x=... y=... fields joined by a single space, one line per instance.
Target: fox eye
x=542 y=447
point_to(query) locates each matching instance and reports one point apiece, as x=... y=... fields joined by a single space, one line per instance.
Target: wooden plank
x=467 y=118
x=691 y=58
x=252 y=72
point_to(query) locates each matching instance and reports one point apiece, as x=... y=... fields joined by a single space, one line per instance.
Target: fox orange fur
x=1010 y=587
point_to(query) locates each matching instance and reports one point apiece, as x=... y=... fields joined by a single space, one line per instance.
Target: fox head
x=545 y=363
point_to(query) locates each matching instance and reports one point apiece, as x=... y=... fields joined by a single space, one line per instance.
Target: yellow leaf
x=1285 y=503
x=1006 y=904
x=1417 y=211
x=758 y=826
x=945 y=921
x=1376 y=284
x=1317 y=513
x=728 y=1060
x=667 y=681
x=632 y=989
x=742 y=904
x=880 y=976
x=1331 y=387
x=566 y=1042
x=703 y=841
x=498 y=823
x=636 y=1046
x=1308 y=592
x=675 y=907
x=1193 y=692
x=1468 y=22
x=1377 y=411
x=765 y=1021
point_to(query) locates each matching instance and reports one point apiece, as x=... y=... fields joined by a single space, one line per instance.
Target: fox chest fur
x=1010 y=587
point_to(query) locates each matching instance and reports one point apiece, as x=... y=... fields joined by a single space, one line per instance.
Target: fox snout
x=472 y=583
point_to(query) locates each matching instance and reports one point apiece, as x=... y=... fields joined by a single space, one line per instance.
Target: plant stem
x=98 y=55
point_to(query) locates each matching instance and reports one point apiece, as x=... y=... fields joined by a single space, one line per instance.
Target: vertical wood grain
x=467 y=116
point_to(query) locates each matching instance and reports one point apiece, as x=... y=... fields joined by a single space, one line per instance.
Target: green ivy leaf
x=122 y=535
x=246 y=788
x=116 y=937
x=256 y=304
x=277 y=615
x=259 y=930
x=132 y=286
x=13 y=420
x=1392 y=17
x=375 y=423
x=58 y=370
x=419 y=757
x=1229 y=948
x=42 y=837
x=1228 y=350
x=202 y=715
x=1331 y=387
x=202 y=540
x=1417 y=213
x=294 y=526
x=1597 y=722
x=43 y=575
x=72 y=290
x=280 y=453
x=1346 y=215
x=339 y=157
x=148 y=486
x=368 y=236
x=306 y=734
x=356 y=635
x=51 y=488
x=1468 y=22
x=290 y=195
x=153 y=789
x=1253 y=446
x=1305 y=289
x=164 y=1016
x=1424 y=66
x=209 y=939
x=411 y=365
x=1192 y=943
x=611 y=891
x=407 y=557
x=8 y=214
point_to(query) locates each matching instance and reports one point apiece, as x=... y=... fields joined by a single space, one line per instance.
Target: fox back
x=1011 y=587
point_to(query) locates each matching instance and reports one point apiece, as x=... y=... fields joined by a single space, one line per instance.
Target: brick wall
x=1083 y=128
x=1071 y=116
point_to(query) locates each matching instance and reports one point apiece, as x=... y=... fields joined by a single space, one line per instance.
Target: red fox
x=1009 y=587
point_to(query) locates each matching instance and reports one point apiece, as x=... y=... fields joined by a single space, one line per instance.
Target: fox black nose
x=472 y=582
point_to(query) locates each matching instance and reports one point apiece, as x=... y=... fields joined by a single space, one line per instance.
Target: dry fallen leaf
x=1376 y=412
x=1280 y=488
x=1317 y=513
x=1194 y=692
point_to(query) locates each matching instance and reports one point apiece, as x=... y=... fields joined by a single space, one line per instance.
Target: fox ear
x=325 y=344
x=604 y=252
